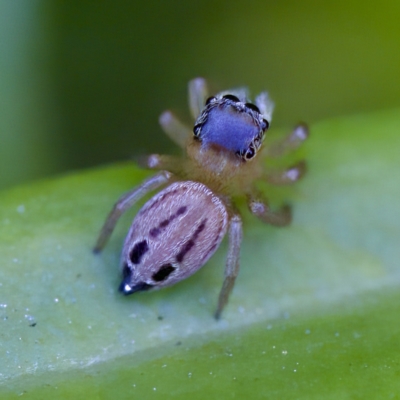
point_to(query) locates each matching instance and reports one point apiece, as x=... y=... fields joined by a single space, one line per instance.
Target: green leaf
x=314 y=313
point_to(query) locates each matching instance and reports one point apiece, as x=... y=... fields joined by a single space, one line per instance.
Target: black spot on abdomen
x=181 y=210
x=138 y=251
x=163 y=273
x=191 y=242
x=126 y=272
x=154 y=232
x=186 y=248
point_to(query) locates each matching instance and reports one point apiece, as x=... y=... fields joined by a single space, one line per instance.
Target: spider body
x=179 y=229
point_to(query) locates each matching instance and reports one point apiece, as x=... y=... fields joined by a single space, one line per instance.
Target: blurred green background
x=82 y=83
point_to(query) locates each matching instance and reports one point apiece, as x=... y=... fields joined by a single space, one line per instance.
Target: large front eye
x=264 y=124
x=250 y=153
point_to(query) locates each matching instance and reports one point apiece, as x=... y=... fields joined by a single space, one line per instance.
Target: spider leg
x=290 y=142
x=126 y=202
x=261 y=210
x=266 y=105
x=287 y=176
x=161 y=162
x=175 y=129
x=232 y=262
x=198 y=93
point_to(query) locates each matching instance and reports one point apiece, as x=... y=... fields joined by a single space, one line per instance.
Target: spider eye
x=196 y=130
x=210 y=99
x=257 y=142
x=264 y=125
x=250 y=153
x=252 y=107
x=231 y=97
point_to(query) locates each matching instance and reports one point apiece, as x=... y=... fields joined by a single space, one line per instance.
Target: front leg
x=175 y=129
x=232 y=262
x=198 y=93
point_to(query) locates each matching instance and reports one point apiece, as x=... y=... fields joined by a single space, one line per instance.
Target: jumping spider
x=179 y=229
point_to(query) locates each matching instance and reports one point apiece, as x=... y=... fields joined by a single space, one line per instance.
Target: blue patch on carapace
x=229 y=128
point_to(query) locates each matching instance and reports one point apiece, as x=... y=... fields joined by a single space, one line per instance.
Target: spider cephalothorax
x=222 y=116
x=180 y=228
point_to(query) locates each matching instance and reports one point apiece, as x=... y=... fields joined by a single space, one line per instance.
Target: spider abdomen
x=172 y=236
